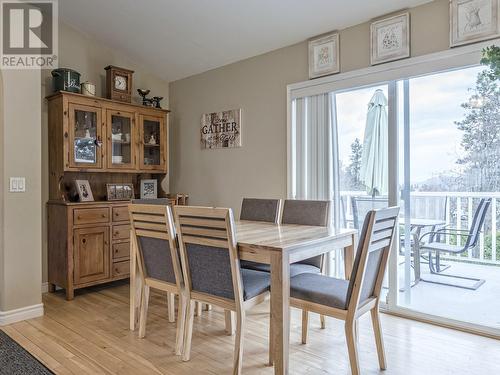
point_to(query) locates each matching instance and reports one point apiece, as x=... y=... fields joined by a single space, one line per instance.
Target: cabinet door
x=121 y=135
x=91 y=254
x=153 y=143
x=85 y=137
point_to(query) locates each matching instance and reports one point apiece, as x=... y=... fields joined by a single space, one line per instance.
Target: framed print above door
x=473 y=21
x=324 y=56
x=390 y=39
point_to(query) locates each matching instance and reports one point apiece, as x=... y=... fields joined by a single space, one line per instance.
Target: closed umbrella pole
x=374 y=159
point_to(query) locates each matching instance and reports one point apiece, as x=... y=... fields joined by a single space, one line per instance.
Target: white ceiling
x=179 y=38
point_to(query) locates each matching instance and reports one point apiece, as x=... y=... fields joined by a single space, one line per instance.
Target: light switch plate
x=17 y=185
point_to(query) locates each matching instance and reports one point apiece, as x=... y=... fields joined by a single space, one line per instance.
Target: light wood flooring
x=90 y=335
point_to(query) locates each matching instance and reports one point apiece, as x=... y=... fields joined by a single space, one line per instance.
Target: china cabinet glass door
x=153 y=139
x=121 y=140
x=85 y=136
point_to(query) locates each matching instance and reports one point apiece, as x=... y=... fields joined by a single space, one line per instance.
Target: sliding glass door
x=450 y=179
x=433 y=148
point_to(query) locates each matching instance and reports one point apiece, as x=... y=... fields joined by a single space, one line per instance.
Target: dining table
x=278 y=245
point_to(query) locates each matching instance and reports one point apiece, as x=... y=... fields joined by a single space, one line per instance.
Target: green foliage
x=355 y=158
x=481 y=136
x=491 y=58
x=488 y=247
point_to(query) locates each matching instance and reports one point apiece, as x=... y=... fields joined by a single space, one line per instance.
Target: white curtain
x=315 y=163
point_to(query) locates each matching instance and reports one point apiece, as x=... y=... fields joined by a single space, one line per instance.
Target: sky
x=435 y=103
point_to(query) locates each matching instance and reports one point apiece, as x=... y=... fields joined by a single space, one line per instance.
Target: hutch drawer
x=90 y=215
x=121 y=232
x=121 y=269
x=121 y=250
x=120 y=214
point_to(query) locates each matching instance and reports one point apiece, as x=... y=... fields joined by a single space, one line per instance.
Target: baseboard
x=16 y=315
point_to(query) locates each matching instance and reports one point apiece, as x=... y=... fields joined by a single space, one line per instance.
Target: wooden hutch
x=102 y=141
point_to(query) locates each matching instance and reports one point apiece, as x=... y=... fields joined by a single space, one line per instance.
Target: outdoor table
x=418 y=225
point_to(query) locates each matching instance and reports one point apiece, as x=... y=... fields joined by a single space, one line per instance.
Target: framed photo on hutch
x=149 y=189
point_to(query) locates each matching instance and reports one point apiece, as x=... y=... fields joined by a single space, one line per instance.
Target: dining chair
x=307 y=212
x=256 y=209
x=155 y=243
x=268 y=210
x=212 y=272
x=349 y=299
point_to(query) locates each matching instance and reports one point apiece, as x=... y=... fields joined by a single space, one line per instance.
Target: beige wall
x=22 y=212
x=258 y=86
x=89 y=57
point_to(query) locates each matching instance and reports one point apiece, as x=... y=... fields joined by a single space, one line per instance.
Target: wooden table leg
x=280 y=310
x=349 y=253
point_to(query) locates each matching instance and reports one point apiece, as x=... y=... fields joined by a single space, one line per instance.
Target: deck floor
x=480 y=306
x=90 y=335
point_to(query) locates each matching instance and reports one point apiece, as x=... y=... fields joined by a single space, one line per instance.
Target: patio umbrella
x=374 y=163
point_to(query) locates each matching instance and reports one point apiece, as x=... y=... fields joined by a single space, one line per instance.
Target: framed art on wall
x=324 y=55
x=221 y=129
x=390 y=39
x=473 y=21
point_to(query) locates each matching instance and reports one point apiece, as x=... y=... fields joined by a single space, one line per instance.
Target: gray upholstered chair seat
x=295 y=268
x=320 y=289
x=254 y=283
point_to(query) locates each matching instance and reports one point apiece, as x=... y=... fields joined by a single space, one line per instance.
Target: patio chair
x=349 y=299
x=155 y=243
x=212 y=273
x=472 y=237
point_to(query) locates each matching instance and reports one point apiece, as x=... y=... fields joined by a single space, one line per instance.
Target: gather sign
x=221 y=129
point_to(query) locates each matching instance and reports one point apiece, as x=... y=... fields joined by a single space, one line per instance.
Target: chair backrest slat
x=154 y=237
x=205 y=241
x=153 y=234
x=477 y=222
x=205 y=232
x=149 y=218
x=371 y=258
x=200 y=222
x=208 y=251
x=254 y=209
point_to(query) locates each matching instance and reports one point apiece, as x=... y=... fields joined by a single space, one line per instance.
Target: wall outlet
x=17 y=185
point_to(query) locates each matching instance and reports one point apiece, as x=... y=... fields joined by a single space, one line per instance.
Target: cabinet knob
x=84 y=240
x=102 y=215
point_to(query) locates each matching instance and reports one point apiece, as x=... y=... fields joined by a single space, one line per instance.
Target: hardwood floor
x=90 y=335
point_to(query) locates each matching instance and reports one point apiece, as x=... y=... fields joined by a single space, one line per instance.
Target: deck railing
x=460 y=208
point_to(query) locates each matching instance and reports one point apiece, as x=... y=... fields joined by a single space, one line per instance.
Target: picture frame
x=149 y=189
x=390 y=39
x=221 y=130
x=473 y=21
x=117 y=192
x=84 y=191
x=324 y=55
